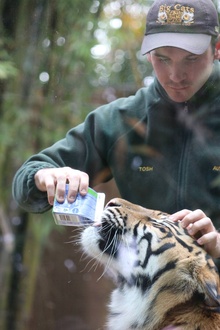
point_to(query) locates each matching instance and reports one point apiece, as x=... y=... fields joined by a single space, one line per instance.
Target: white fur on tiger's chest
x=128 y=307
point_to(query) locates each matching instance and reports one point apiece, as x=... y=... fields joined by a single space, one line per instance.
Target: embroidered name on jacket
x=176 y=14
x=216 y=168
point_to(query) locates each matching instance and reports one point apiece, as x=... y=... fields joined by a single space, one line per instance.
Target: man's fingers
x=208 y=238
x=192 y=217
x=61 y=188
x=201 y=228
x=53 y=181
x=204 y=225
x=187 y=217
x=211 y=243
x=51 y=188
x=84 y=182
x=179 y=215
x=78 y=182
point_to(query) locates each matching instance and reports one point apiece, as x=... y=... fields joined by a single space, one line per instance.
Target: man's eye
x=163 y=59
x=192 y=59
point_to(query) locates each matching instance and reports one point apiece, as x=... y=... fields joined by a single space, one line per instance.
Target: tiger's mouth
x=109 y=231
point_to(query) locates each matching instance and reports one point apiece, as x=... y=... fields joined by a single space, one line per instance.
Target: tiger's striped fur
x=163 y=276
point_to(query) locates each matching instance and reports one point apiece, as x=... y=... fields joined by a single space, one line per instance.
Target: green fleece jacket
x=163 y=155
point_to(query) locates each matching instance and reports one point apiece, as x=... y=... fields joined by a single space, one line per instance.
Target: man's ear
x=217 y=49
x=217 y=54
x=149 y=57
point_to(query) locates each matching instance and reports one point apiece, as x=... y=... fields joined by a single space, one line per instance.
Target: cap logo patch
x=177 y=14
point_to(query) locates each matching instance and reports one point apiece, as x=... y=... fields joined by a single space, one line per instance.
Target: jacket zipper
x=185 y=107
x=183 y=165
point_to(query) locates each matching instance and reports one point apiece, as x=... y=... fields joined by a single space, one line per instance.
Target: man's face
x=181 y=73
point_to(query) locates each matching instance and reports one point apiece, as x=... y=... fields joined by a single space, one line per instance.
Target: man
x=161 y=145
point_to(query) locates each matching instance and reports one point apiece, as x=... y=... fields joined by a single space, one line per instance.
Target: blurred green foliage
x=51 y=76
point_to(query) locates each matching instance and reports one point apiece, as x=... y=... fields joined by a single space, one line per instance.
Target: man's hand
x=53 y=181
x=200 y=227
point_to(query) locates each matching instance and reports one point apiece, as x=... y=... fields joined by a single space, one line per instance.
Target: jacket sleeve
x=83 y=148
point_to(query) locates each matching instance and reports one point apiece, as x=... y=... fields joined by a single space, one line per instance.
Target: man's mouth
x=178 y=88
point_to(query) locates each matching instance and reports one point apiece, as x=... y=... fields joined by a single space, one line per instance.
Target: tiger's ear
x=210 y=287
x=212 y=298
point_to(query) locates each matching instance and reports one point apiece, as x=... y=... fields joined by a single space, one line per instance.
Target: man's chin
x=179 y=96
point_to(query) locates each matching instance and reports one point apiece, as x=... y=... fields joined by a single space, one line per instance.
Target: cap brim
x=193 y=43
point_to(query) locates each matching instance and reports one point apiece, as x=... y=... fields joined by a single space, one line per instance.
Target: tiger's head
x=163 y=276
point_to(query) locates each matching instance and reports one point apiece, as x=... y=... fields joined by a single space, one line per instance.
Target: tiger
x=163 y=277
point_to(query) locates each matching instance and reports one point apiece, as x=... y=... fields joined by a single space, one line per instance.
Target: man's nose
x=177 y=73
